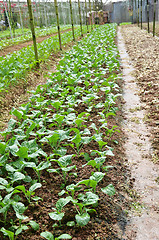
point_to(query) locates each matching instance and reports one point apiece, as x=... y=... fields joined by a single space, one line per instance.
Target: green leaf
x=54 y=139
x=17 y=176
x=97 y=176
x=23 y=152
x=7 y=233
x=65 y=160
x=17 y=113
x=20 y=229
x=70 y=224
x=61 y=203
x=34 y=225
x=56 y=216
x=43 y=165
x=34 y=187
x=3 y=181
x=109 y=190
x=2 y=148
x=47 y=235
x=19 y=209
x=83 y=219
x=64 y=236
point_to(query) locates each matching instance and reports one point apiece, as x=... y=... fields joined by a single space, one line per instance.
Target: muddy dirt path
x=11 y=49
x=144 y=221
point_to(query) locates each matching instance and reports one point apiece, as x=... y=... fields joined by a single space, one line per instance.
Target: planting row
x=60 y=141
x=23 y=38
x=16 y=65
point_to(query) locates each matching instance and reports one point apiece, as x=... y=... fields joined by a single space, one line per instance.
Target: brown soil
x=143 y=51
x=11 y=49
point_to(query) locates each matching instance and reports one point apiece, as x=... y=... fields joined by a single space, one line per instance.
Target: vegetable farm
x=79 y=123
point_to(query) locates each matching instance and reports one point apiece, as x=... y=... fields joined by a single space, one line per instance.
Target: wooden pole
x=138 y=14
x=8 y=20
x=154 y=17
x=73 y=34
x=58 y=25
x=11 y=18
x=90 y=10
x=148 y=18
x=86 y=16
x=33 y=31
x=141 y=13
x=79 y=10
x=94 y=15
x=21 y=20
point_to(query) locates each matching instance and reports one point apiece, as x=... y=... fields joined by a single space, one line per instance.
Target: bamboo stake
x=72 y=20
x=154 y=17
x=79 y=10
x=86 y=16
x=90 y=10
x=135 y=11
x=148 y=19
x=58 y=25
x=138 y=14
x=94 y=14
x=141 y=14
x=8 y=20
x=21 y=20
x=11 y=18
x=45 y=14
x=33 y=31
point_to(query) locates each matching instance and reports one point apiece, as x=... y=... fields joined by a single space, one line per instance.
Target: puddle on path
x=143 y=226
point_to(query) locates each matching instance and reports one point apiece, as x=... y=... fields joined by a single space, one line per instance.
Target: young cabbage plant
x=96 y=163
x=38 y=168
x=64 y=164
x=57 y=215
x=31 y=192
x=49 y=236
x=78 y=140
x=81 y=204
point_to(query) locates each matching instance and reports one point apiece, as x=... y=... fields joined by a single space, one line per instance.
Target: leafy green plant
x=30 y=193
x=49 y=236
x=64 y=163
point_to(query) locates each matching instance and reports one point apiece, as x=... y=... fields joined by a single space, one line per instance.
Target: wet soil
x=11 y=49
x=144 y=217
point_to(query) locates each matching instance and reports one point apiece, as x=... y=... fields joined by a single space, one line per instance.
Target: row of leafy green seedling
x=51 y=120
x=15 y=66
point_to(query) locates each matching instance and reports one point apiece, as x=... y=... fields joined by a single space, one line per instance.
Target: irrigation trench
x=144 y=222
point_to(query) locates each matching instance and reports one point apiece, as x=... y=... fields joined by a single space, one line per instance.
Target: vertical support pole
x=154 y=17
x=135 y=12
x=58 y=25
x=21 y=20
x=73 y=34
x=90 y=10
x=141 y=13
x=138 y=13
x=86 y=16
x=94 y=15
x=11 y=18
x=79 y=10
x=148 y=18
x=8 y=20
x=33 y=31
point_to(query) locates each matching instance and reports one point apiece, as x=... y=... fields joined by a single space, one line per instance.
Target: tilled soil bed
x=143 y=51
